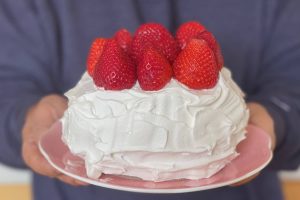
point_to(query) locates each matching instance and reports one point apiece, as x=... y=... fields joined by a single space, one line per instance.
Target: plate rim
x=159 y=190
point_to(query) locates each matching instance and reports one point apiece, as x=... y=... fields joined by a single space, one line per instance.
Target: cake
x=174 y=130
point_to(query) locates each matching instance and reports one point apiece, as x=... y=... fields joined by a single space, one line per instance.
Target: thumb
x=57 y=103
x=260 y=117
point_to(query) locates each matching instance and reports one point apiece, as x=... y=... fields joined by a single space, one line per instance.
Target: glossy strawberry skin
x=214 y=45
x=154 y=35
x=94 y=55
x=188 y=31
x=116 y=70
x=154 y=70
x=124 y=39
x=196 y=66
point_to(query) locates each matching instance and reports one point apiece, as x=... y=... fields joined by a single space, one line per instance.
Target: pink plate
x=254 y=151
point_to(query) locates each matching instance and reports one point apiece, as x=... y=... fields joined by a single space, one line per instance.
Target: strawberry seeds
x=152 y=56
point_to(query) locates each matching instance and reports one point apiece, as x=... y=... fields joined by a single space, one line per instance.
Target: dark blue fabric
x=44 y=45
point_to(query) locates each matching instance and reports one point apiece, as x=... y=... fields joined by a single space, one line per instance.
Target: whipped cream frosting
x=172 y=133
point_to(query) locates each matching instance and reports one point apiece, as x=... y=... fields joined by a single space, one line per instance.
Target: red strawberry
x=188 y=31
x=153 y=34
x=154 y=70
x=123 y=37
x=95 y=54
x=196 y=66
x=214 y=45
x=115 y=70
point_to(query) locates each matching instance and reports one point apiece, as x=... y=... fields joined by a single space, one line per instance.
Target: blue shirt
x=44 y=45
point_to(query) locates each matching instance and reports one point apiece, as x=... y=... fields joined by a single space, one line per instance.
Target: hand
x=260 y=117
x=39 y=119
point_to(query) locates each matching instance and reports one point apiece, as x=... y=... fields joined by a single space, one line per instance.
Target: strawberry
x=95 y=54
x=115 y=70
x=154 y=70
x=123 y=37
x=215 y=47
x=153 y=34
x=196 y=66
x=188 y=31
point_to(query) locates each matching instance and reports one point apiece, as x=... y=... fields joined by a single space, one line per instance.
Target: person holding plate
x=44 y=45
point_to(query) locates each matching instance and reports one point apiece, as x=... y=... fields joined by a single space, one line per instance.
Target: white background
x=13 y=176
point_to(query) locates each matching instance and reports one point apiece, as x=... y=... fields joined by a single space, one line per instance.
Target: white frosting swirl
x=160 y=135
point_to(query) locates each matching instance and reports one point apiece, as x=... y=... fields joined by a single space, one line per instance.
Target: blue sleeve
x=277 y=85
x=27 y=72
